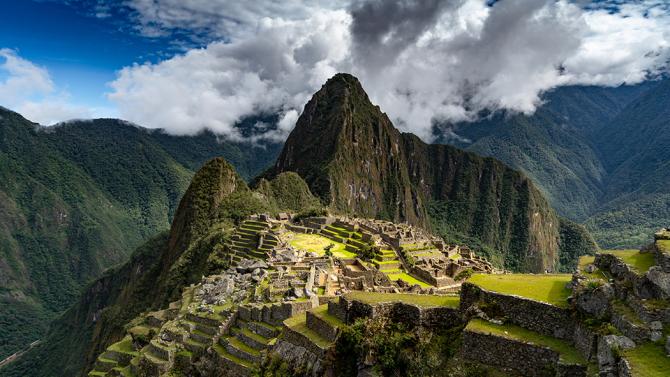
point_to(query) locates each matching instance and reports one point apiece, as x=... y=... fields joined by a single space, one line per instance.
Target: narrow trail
x=18 y=354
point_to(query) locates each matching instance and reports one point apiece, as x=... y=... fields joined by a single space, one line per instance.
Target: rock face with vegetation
x=598 y=154
x=77 y=198
x=353 y=158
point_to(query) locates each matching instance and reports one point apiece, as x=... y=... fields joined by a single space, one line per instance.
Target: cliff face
x=353 y=158
x=351 y=155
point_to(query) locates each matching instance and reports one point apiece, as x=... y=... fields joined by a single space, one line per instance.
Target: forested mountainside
x=77 y=198
x=597 y=153
x=352 y=156
x=157 y=271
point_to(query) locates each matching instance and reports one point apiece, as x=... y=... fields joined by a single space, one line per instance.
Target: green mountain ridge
x=598 y=155
x=77 y=198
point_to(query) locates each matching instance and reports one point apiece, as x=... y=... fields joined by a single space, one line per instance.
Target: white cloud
x=420 y=61
x=29 y=90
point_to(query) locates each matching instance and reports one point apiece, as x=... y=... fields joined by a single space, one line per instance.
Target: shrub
x=463 y=275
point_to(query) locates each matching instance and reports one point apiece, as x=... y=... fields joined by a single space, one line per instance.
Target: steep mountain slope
x=597 y=153
x=634 y=146
x=77 y=198
x=156 y=272
x=350 y=154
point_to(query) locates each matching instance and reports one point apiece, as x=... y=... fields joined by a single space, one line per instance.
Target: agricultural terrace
x=648 y=360
x=568 y=354
x=640 y=262
x=316 y=244
x=547 y=288
x=425 y=301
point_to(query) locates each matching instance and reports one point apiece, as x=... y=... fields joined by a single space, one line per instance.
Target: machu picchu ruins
x=295 y=284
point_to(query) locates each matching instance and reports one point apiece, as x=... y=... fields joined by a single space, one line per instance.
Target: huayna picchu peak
x=357 y=162
x=364 y=251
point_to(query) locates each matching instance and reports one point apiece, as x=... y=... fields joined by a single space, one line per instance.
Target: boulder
x=608 y=349
x=595 y=302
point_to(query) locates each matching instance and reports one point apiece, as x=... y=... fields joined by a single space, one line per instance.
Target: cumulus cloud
x=421 y=61
x=29 y=89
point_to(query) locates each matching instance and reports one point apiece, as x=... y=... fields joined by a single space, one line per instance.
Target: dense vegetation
x=78 y=198
x=156 y=272
x=599 y=154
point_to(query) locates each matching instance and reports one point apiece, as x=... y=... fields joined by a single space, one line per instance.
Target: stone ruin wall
x=533 y=315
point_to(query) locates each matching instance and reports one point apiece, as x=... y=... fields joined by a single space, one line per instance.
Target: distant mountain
x=77 y=198
x=597 y=153
x=352 y=157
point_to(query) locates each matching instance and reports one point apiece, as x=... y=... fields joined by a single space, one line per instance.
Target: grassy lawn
x=639 y=261
x=568 y=353
x=322 y=312
x=316 y=243
x=411 y=280
x=124 y=346
x=425 y=301
x=548 y=288
x=298 y=323
x=648 y=360
x=584 y=261
x=663 y=245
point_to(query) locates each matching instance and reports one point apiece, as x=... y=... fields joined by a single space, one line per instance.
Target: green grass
x=316 y=243
x=411 y=280
x=586 y=260
x=298 y=324
x=322 y=312
x=663 y=245
x=408 y=298
x=124 y=346
x=222 y=351
x=640 y=262
x=568 y=353
x=548 y=288
x=648 y=360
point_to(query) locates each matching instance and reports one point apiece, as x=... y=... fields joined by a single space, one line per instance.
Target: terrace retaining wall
x=528 y=359
x=348 y=311
x=530 y=314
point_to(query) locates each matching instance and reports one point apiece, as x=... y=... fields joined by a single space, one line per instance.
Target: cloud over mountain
x=421 y=61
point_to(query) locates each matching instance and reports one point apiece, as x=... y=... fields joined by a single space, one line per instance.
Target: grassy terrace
x=316 y=243
x=640 y=262
x=298 y=323
x=648 y=360
x=411 y=280
x=548 y=288
x=322 y=312
x=425 y=301
x=663 y=245
x=568 y=353
x=584 y=261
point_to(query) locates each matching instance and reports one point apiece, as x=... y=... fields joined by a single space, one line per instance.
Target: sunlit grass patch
x=316 y=243
x=548 y=288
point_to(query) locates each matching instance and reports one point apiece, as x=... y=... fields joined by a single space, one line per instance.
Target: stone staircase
x=251 y=240
x=345 y=234
x=421 y=250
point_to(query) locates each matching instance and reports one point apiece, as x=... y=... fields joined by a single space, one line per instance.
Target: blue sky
x=82 y=52
x=189 y=65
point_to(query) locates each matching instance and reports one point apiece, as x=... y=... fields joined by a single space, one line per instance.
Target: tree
x=329 y=250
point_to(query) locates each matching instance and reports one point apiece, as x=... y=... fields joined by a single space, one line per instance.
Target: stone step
x=157 y=350
x=238 y=349
x=385 y=258
x=194 y=346
x=251 y=339
x=263 y=329
x=323 y=323
x=105 y=365
x=202 y=320
x=383 y=266
x=243 y=367
x=201 y=337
